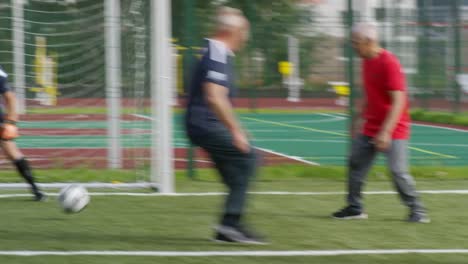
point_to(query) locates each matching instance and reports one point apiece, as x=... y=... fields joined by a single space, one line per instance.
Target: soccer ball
x=73 y=198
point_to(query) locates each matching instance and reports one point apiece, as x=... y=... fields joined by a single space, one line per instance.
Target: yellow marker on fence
x=45 y=70
x=285 y=68
x=342 y=90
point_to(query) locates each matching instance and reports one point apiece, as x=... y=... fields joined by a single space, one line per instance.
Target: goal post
x=18 y=54
x=161 y=86
x=113 y=71
x=113 y=81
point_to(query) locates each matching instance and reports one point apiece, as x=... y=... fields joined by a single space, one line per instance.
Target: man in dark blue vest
x=212 y=124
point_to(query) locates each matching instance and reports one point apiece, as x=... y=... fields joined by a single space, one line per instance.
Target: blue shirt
x=4 y=87
x=215 y=66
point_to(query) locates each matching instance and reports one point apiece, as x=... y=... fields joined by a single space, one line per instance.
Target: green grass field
x=292 y=222
x=130 y=228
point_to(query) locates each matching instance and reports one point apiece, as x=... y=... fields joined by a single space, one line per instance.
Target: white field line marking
x=342 y=118
x=299 y=140
x=313 y=121
x=255 y=193
x=261 y=130
x=331 y=115
x=441 y=145
x=289 y=157
x=415 y=124
x=196 y=160
x=340 y=114
x=143 y=116
x=341 y=134
x=442 y=127
x=253 y=253
x=281 y=124
x=177 y=145
x=328 y=120
x=330 y=141
x=29 y=159
x=380 y=158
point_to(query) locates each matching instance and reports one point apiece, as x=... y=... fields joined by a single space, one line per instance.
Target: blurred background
x=298 y=61
x=429 y=37
x=101 y=86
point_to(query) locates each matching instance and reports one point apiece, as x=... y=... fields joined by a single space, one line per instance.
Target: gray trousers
x=236 y=168
x=363 y=153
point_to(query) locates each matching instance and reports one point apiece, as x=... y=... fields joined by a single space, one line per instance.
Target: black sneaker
x=239 y=234
x=349 y=213
x=40 y=196
x=417 y=217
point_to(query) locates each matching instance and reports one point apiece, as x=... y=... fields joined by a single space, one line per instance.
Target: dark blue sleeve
x=4 y=87
x=215 y=71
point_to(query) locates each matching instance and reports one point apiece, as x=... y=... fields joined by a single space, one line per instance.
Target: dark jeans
x=362 y=156
x=236 y=168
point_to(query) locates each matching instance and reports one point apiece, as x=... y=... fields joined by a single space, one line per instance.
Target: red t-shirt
x=381 y=75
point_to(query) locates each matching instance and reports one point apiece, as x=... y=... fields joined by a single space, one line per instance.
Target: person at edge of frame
x=9 y=131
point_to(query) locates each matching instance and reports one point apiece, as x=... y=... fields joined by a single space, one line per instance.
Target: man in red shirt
x=382 y=126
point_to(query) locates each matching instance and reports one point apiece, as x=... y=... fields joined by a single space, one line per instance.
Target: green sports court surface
x=290 y=209
x=315 y=138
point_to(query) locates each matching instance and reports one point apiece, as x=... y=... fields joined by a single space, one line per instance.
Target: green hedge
x=460 y=119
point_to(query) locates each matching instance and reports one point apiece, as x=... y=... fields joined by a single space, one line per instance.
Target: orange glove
x=9 y=130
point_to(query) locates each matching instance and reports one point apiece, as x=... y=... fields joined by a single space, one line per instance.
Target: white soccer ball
x=73 y=198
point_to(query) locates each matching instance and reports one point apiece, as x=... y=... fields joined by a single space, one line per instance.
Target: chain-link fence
x=429 y=37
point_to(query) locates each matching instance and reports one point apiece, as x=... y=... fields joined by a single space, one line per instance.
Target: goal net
x=92 y=97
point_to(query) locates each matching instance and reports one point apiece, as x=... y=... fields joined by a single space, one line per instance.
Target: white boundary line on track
x=289 y=157
x=415 y=123
x=143 y=116
x=253 y=253
x=266 y=150
x=299 y=140
x=441 y=145
x=442 y=127
x=336 y=117
x=343 y=117
x=462 y=192
x=331 y=118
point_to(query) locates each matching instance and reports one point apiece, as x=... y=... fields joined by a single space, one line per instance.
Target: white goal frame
x=162 y=172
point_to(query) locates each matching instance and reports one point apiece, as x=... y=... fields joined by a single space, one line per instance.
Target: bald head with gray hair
x=232 y=27
x=365 y=39
x=228 y=18
x=366 y=30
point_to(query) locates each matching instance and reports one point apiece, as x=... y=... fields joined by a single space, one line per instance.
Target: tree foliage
x=271 y=22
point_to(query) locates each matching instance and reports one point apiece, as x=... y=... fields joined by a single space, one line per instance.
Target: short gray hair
x=366 y=30
x=228 y=17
